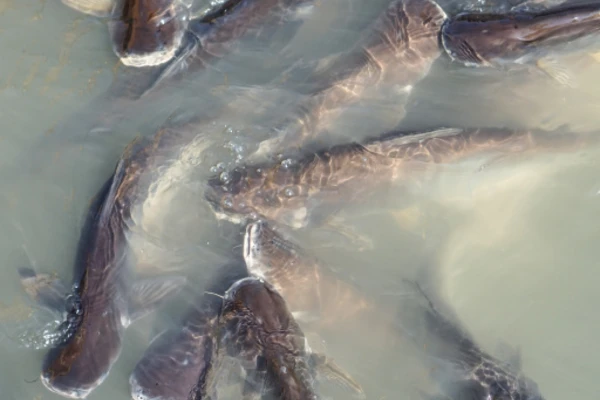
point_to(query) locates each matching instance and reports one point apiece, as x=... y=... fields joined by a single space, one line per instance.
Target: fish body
x=104 y=298
x=257 y=328
x=148 y=32
x=461 y=367
x=178 y=362
x=517 y=37
x=398 y=50
x=287 y=191
x=312 y=292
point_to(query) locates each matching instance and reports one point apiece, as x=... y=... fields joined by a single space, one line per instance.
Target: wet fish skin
x=148 y=32
x=462 y=369
x=287 y=191
x=397 y=49
x=103 y=301
x=517 y=37
x=257 y=328
x=178 y=362
x=314 y=293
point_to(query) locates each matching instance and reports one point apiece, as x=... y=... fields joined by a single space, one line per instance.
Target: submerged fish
x=104 y=298
x=290 y=190
x=313 y=292
x=519 y=37
x=178 y=361
x=257 y=328
x=397 y=50
x=461 y=368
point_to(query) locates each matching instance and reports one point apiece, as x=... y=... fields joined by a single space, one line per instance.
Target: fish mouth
x=138 y=391
x=70 y=392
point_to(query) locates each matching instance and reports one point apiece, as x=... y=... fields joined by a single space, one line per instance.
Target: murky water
x=514 y=238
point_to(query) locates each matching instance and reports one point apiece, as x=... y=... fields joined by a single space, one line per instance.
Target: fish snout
x=65 y=386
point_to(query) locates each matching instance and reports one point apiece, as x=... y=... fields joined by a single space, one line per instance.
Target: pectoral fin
x=97 y=8
x=557 y=72
x=44 y=289
x=327 y=369
x=148 y=294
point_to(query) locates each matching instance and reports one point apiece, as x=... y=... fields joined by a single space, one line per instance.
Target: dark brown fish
x=143 y=32
x=208 y=38
x=288 y=191
x=257 y=328
x=518 y=37
x=105 y=298
x=178 y=362
x=462 y=369
x=398 y=50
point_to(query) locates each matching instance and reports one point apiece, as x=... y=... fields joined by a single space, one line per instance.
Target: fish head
x=81 y=362
x=253 y=310
x=520 y=36
x=148 y=32
x=227 y=195
x=481 y=39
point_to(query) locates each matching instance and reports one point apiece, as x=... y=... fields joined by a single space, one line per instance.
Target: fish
x=143 y=32
x=178 y=361
x=314 y=293
x=256 y=328
x=210 y=37
x=462 y=369
x=105 y=296
x=397 y=49
x=290 y=191
x=521 y=37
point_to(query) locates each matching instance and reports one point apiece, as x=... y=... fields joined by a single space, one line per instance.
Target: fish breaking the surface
x=178 y=362
x=520 y=37
x=257 y=329
x=105 y=297
x=288 y=191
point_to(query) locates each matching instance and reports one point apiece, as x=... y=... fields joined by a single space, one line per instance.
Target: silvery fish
x=290 y=190
x=462 y=369
x=105 y=297
x=178 y=362
x=257 y=328
x=521 y=37
x=397 y=50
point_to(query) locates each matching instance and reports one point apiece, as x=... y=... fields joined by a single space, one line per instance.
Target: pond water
x=513 y=240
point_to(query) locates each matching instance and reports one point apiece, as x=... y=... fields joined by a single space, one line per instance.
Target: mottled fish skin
x=313 y=293
x=462 y=369
x=102 y=302
x=398 y=49
x=257 y=328
x=287 y=191
x=517 y=37
x=148 y=32
x=178 y=362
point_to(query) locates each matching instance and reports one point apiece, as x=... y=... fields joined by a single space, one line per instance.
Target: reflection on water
x=513 y=239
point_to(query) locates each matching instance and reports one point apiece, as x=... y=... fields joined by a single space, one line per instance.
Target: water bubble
x=287 y=163
x=225 y=177
x=290 y=192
